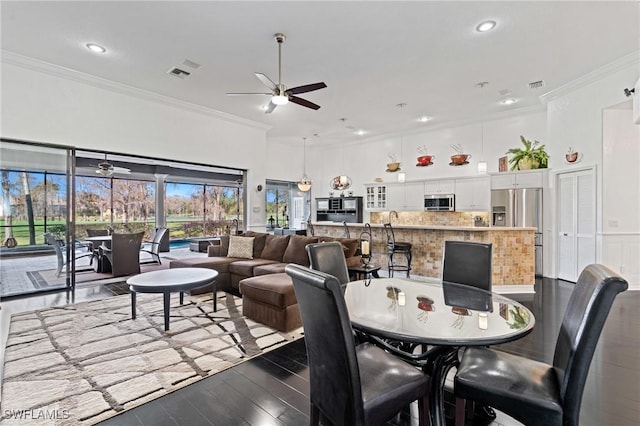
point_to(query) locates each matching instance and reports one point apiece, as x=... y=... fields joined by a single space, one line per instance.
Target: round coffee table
x=167 y=281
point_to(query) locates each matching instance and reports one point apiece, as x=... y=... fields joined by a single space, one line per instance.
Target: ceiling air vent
x=177 y=72
x=536 y=84
x=191 y=64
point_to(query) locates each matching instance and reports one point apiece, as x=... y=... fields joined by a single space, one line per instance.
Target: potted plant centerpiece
x=532 y=156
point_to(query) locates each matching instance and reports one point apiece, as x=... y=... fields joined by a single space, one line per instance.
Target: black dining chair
x=536 y=393
x=467 y=263
x=349 y=385
x=329 y=258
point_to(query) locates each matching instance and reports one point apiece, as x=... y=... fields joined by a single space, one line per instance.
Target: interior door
x=576 y=223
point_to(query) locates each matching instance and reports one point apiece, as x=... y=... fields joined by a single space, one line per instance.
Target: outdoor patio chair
x=154 y=250
x=124 y=254
x=95 y=233
x=60 y=249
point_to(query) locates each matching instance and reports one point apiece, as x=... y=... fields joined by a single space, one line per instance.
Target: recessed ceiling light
x=424 y=119
x=508 y=101
x=361 y=132
x=96 y=48
x=485 y=26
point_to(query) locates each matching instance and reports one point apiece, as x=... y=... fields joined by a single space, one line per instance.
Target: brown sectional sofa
x=268 y=295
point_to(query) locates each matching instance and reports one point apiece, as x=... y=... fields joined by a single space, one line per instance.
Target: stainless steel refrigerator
x=520 y=208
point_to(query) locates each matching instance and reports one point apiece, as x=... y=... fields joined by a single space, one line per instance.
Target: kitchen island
x=513 y=250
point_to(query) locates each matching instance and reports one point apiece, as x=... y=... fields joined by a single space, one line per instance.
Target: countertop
x=433 y=227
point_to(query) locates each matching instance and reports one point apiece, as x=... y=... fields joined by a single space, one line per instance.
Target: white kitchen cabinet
x=529 y=179
x=414 y=196
x=395 y=196
x=376 y=198
x=408 y=196
x=473 y=194
x=445 y=186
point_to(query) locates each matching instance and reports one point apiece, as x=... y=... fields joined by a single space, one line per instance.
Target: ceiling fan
x=105 y=168
x=280 y=95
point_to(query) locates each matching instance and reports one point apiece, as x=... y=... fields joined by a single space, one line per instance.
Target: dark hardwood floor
x=272 y=389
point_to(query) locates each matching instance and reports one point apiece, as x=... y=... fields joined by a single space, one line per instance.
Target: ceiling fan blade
x=304 y=102
x=270 y=108
x=121 y=170
x=306 y=88
x=248 y=93
x=266 y=81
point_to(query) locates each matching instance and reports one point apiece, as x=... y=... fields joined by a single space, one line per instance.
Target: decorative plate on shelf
x=340 y=183
x=393 y=171
x=461 y=164
x=425 y=164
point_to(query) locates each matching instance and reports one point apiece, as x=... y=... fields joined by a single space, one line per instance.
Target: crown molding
x=595 y=75
x=37 y=65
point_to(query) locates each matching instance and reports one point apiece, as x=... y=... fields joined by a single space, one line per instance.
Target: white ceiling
x=371 y=55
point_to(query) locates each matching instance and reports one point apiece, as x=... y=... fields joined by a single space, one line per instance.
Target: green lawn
x=184 y=228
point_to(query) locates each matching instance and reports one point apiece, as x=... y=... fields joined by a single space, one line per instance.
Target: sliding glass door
x=36 y=218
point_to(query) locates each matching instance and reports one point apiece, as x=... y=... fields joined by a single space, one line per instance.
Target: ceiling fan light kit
x=280 y=95
x=280 y=100
x=105 y=168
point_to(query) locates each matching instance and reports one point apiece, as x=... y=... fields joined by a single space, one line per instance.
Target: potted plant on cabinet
x=532 y=156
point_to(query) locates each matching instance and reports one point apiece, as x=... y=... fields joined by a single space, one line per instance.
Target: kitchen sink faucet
x=391 y=214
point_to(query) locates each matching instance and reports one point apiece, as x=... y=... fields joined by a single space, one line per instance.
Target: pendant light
x=304 y=184
x=482 y=165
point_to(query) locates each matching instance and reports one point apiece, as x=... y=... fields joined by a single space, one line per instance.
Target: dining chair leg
x=423 y=411
x=314 y=416
x=460 y=411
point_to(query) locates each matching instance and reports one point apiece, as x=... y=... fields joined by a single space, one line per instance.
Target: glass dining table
x=426 y=323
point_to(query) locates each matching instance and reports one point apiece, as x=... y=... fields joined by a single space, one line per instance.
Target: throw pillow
x=241 y=247
x=224 y=245
x=274 y=247
x=296 y=250
x=258 y=243
x=350 y=246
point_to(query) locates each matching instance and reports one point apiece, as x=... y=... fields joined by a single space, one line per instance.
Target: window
x=287 y=207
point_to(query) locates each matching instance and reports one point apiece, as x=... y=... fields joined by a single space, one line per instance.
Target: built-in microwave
x=440 y=203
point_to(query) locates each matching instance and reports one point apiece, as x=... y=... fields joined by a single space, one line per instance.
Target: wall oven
x=439 y=203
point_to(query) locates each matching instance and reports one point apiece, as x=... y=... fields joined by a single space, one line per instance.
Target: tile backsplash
x=433 y=218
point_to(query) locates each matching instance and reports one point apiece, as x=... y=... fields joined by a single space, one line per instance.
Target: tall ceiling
x=373 y=56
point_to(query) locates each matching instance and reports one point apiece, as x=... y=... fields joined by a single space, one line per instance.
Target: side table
x=364 y=271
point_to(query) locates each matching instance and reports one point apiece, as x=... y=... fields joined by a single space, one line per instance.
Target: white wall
x=575 y=118
x=620 y=197
x=364 y=160
x=620 y=172
x=43 y=103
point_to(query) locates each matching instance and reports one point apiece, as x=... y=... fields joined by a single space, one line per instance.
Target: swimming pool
x=179 y=243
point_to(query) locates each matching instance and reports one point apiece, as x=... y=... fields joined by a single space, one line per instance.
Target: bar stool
x=347 y=234
x=395 y=247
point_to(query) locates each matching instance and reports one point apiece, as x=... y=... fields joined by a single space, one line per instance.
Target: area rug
x=48 y=278
x=83 y=363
